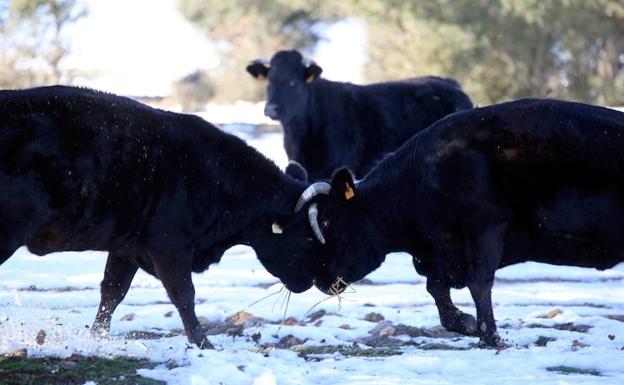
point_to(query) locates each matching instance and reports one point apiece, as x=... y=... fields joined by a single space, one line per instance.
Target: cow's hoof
x=492 y=342
x=204 y=344
x=468 y=325
x=462 y=323
x=99 y=333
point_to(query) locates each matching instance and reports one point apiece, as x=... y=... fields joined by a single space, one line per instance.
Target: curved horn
x=313 y=218
x=312 y=191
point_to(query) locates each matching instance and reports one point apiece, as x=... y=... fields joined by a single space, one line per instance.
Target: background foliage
x=498 y=49
x=31 y=42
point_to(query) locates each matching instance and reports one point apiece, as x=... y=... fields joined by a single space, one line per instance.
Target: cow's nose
x=337 y=287
x=270 y=110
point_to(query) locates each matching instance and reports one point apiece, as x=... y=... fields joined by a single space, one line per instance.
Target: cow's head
x=285 y=243
x=340 y=222
x=289 y=75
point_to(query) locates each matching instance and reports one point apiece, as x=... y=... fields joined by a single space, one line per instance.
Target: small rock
x=22 y=353
x=256 y=337
x=615 y=317
x=345 y=326
x=316 y=315
x=611 y=337
x=380 y=326
x=572 y=327
x=434 y=332
x=239 y=318
x=41 y=335
x=551 y=314
x=576 y=344
x=374 y=317
x=67 y=364
x=245 y=319
x=543 y=341
x=236 y=331
x=318 y=323
x=290 y=321
x=289 y=341
x=168 y=314
x=128 y=317
x=387 y=331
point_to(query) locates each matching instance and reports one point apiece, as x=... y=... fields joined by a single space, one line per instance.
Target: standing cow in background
x=530 y=180
x=328 y=125
x=164 y=192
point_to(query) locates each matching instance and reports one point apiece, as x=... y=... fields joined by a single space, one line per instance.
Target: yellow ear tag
x=349 y=192
x=310 y=78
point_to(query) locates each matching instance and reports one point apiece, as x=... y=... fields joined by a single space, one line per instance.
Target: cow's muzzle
x=338 y=286
x=271 y=111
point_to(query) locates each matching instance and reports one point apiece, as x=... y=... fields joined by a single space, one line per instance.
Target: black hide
x=166 y=192
x=328 y=125
x=529 y=180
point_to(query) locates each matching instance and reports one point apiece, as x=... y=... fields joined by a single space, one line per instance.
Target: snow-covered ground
x=578 y=314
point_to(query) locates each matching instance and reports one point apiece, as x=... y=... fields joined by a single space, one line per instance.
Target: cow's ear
x=259 y=69
x=312 y=72
x=296 y=171
x=343 y=185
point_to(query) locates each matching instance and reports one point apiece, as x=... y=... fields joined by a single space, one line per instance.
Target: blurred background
x=183 y=54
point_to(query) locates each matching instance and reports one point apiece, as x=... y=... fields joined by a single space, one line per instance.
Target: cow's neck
x=249 y=190
x=266 y=199
x=394 y=196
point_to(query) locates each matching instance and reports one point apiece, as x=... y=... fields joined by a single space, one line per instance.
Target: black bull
x=328 y=125
x=531 y=180
x=165 y=192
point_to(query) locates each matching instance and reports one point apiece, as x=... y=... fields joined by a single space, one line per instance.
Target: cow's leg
x=451 y=317
x=481 y=292
x=23 y=208
x=176 y=278
x=486 y=253
x=118 y=275
x=13 y=235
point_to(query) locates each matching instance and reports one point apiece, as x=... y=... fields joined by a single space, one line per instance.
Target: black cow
x=530 y=180
x=328 y=125
x=161 y=191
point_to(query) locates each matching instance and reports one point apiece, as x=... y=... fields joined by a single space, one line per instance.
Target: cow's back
x=99 y=161
x=357 y=126
x=554 y=169
x=406 y=107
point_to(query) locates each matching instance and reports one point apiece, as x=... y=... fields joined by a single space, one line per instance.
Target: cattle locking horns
x=313 y=190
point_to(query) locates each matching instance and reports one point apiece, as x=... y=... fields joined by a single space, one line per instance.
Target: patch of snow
x=240 y=112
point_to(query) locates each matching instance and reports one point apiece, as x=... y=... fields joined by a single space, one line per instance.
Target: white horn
x=313 y=218
x=312 y=191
